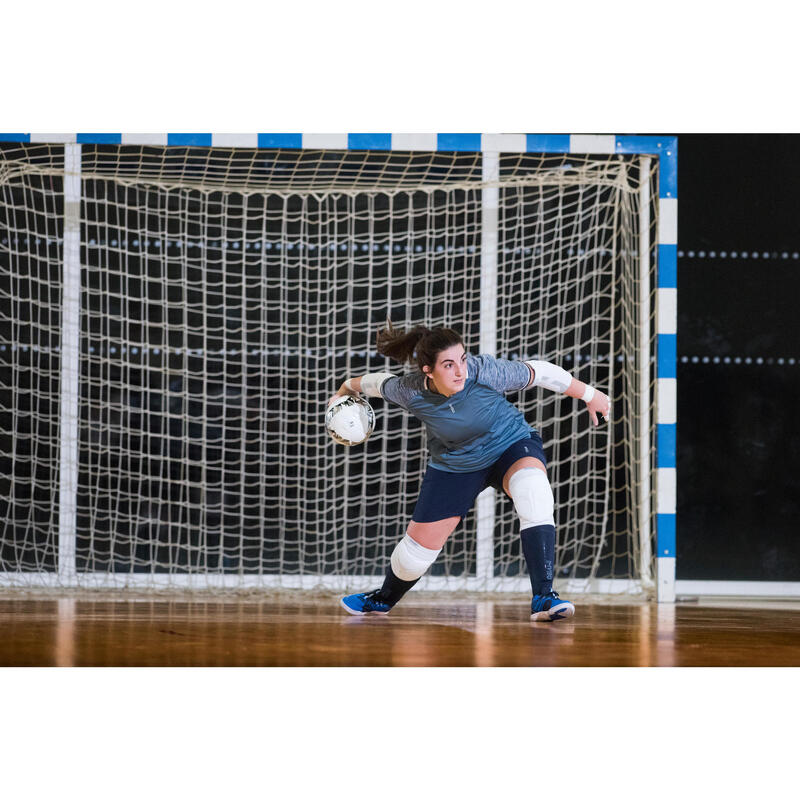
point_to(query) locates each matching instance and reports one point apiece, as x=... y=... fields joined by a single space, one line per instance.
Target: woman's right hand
x=344 y=390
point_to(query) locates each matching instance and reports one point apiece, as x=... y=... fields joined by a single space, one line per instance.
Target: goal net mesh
x=225 y=295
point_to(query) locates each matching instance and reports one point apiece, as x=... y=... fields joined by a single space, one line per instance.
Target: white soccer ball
x=350 y=420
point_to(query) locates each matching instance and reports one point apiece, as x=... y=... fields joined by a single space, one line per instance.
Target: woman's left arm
x=553 y=377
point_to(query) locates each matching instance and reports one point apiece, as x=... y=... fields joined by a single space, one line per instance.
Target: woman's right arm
x=369 y=385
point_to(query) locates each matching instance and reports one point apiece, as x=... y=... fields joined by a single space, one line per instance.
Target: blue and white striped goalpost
x=661 y=148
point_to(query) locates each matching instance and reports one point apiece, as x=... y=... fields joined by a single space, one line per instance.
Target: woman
x=476 y=439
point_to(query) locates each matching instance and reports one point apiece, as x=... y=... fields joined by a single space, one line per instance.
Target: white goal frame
x=663 y=148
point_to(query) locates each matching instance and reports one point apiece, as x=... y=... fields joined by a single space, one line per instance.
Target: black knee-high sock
x=539 y=546
x=393 y=588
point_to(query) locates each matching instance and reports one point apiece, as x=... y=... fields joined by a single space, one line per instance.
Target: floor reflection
x=303 y=631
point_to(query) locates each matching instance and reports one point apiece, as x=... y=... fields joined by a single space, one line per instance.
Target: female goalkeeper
x=476 y=439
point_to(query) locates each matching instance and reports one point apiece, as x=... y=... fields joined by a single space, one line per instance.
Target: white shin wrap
x=411 y=560
x=533 y=498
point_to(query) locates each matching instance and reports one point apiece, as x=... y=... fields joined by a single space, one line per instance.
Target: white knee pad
x=533 y=498
x=411 y=560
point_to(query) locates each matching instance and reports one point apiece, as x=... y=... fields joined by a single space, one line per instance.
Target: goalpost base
x=52 y=583
x=344 y=583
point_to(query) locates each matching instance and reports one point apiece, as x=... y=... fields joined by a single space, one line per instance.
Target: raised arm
x=553 y=377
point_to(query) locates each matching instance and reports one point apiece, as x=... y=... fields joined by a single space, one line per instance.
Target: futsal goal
x=175 y=312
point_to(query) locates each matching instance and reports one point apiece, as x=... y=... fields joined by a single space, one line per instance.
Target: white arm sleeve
x=371 y=383
x=550 y=376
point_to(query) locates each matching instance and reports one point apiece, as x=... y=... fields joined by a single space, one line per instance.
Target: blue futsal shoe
x=365 y=603
x=550 y=607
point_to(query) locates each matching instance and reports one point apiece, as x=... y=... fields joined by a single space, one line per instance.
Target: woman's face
x=450 y=370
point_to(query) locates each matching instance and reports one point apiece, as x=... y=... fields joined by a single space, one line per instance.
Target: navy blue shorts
x=452 y=494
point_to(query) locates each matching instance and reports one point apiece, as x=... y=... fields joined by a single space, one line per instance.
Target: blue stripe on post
x=668 y=266
x=15 y=137
x=189 y=139
x=666 y=439
x=547 y=143
x=99 y=138
x=665 y=535
x=369 y=141
x=458 y=141
x=653 y=145
x=288 y=141
x=667 y=355
x=668 y=174
x=666 y=148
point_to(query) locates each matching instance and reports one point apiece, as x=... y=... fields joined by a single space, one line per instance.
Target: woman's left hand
x=599 y=404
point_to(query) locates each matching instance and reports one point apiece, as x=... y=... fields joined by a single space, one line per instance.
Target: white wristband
x=349 y=385
x=588 y=394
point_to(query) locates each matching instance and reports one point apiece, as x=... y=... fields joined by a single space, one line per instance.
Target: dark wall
x=738 y=357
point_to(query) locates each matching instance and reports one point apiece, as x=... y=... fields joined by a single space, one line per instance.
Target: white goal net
x=224 y=294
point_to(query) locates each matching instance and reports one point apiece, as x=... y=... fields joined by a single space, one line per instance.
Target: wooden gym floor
x=422 y=631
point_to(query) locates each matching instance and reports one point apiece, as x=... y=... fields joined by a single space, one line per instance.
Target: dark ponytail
x=400 y=345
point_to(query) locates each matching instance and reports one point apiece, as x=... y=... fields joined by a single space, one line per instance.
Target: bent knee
x=533 y=498
x=410 y=560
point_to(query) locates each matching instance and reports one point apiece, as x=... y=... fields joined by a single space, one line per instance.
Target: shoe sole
x=359 y=613
x=561 y=611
